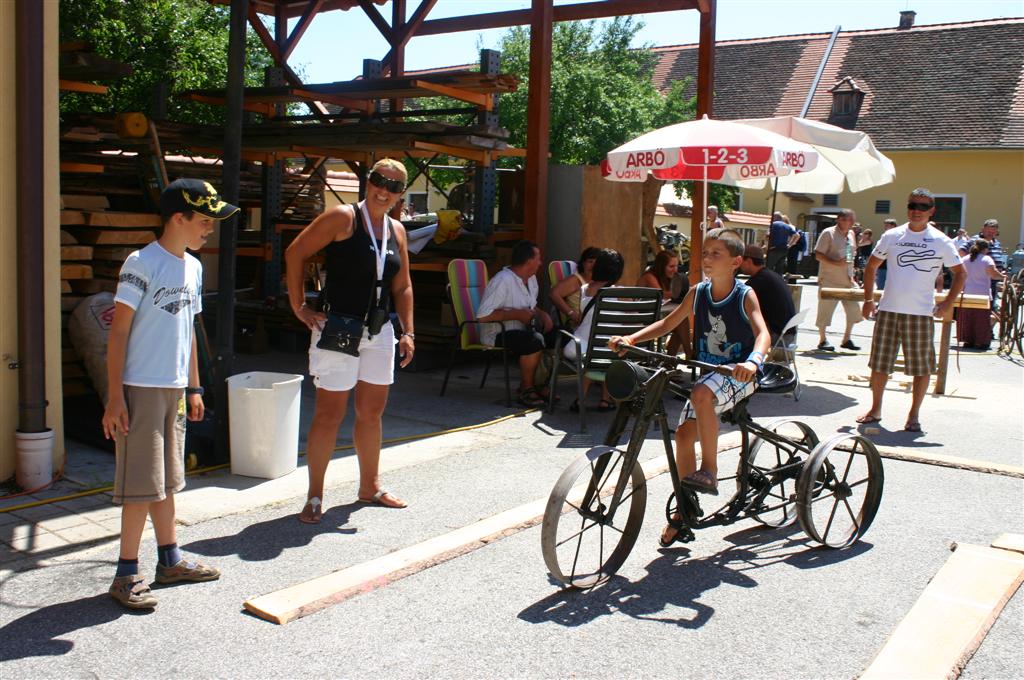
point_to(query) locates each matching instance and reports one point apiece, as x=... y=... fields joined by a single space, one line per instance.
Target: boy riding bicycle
x=729 y=330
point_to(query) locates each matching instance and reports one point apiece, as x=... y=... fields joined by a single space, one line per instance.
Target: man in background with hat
x=772 y=292
x=153 y=371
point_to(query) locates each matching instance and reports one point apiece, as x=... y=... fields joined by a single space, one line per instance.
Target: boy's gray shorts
x=150 y=459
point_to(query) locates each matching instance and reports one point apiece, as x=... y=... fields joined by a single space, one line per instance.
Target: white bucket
x=34 y=462
x=263 y=418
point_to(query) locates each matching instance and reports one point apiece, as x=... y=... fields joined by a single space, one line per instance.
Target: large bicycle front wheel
x=584 y=543
x=839 y=490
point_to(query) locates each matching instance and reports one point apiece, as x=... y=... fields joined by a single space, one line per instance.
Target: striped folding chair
x=467 y=280
x=558 y=271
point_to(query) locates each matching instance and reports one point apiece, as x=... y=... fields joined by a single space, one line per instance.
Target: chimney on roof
x=907 y=19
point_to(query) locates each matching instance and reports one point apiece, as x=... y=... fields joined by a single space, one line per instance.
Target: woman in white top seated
x=565 y=296
x=607 y=270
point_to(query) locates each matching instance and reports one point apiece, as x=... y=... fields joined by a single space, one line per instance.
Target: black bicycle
x=596 y=509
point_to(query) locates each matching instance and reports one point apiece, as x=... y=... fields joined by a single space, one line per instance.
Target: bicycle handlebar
x=672 y=360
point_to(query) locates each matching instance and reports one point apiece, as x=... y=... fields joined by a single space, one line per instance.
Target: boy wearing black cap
x=153 y=370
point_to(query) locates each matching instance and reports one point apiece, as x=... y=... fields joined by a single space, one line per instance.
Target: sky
x=336 y=42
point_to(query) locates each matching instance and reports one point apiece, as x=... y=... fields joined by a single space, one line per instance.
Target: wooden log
x=83 y=202
x=78 y=86
x=119 y=220
x=88 y=168
x=72 y=217
x=75 y=253
x=75 y=271
x=92 y=286
x=66 y=239
x=108 y=237
x=857 y=295
x=112 y=253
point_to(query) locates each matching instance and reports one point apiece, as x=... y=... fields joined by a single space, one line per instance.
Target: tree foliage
x=181 y=42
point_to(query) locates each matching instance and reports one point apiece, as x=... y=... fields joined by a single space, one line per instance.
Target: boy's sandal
x=315 y=512
x=701 y=481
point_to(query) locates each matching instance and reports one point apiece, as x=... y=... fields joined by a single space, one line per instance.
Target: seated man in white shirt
x=511 y=297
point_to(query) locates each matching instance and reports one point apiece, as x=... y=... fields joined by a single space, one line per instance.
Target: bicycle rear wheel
x=839 y=490
x=759 y=470
x=584 y=544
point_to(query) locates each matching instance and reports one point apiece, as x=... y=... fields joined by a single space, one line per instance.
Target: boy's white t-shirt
x=914 y=259
x=166 y=293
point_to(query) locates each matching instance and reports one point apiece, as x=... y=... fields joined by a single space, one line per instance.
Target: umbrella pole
x=775 y=192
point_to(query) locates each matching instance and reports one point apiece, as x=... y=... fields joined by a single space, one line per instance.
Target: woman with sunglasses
x=367 y=265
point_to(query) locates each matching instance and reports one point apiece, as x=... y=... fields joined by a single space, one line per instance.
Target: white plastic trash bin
x=263 y=415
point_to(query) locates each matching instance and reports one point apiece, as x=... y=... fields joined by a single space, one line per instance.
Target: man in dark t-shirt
x=772 y=292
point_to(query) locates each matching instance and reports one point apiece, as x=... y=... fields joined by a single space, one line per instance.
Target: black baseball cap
x=186 y=194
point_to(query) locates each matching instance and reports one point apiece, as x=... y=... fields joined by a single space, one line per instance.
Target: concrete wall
x=991 y=182
x=8 y=238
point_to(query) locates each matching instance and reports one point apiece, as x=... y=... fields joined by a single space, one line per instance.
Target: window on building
x=416 y=203
x=830 y=199
x=949 y=213
x=882 y=207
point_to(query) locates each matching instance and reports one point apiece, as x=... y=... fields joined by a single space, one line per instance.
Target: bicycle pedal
x=685 y=535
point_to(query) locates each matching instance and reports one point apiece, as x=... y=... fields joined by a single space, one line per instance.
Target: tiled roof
x=941 y=86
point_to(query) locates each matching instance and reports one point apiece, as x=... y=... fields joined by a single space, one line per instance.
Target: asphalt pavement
x=740 y=601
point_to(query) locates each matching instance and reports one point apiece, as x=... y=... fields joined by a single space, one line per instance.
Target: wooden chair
x=616 y=311
x=787 y=350
x=558 y=271
x=467 y=280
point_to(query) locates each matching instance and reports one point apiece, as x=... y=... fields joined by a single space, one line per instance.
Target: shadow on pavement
x=38 y=633
x=675 y=580
x=268 y=540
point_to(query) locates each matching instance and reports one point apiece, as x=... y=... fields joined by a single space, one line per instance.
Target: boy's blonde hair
x=391 y=164
x=733 y=243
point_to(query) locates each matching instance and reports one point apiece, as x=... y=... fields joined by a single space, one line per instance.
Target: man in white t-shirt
x=914 y=252
x=511 y=297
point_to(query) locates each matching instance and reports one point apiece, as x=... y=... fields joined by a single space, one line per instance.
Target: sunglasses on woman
x=395 y=186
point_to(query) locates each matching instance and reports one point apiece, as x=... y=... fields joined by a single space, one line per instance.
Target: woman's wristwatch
x=409 y=335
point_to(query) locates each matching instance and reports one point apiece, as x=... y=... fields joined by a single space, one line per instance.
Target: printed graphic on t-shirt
x=715 y=343
x=173 y=300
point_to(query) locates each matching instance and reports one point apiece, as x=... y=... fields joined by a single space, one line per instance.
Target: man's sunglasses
x=923 y=207
x=395 y=186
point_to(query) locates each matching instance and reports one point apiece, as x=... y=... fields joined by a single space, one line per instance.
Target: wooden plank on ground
x=1013 y=542
x=952 y=462
x=951 y=618
x=75 y=271
x=310 y=596
x=84 y=202
x=74 y=253
x=110 y=237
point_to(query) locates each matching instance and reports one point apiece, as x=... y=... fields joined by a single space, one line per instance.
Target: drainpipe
x=32 y=434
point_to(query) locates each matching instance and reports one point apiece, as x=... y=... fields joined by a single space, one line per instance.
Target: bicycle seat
x=777 y=379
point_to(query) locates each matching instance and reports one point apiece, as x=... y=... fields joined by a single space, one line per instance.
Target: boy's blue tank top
x=722 y=328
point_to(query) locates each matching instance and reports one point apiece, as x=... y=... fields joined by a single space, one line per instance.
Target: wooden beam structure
x=538 y=119
x=705 y=105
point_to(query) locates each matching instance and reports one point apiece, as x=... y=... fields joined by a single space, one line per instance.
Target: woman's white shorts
x=339 y=372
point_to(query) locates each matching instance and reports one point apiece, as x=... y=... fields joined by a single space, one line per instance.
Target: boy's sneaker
x=186 y=571
x=132 y=592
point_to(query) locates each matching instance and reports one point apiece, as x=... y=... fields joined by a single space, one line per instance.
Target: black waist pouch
x=341 y=334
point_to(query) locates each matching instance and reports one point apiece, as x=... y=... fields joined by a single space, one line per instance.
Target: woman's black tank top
x=352 y=270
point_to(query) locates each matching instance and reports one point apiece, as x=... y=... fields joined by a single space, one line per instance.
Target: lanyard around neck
x=380 y=253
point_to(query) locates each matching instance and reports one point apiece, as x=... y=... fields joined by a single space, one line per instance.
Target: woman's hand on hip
x=311 y=319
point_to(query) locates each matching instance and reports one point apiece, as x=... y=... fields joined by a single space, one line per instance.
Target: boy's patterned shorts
x=727 y=390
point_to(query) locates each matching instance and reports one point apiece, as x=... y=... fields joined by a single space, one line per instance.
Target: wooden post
x=397 y=50
x=705 y=94
x=538 y=122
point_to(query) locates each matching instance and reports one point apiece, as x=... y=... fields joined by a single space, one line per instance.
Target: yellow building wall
x=991 y=182
x=9 y=238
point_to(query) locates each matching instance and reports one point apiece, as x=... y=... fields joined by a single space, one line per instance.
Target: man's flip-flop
x=378 y=499
x=316 y=515
x=868 y=419
x=912 y=427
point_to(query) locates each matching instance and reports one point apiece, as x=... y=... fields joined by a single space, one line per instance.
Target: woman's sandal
x=316 y=513
x=531 y=398
x=378 y=499
x=701 y=481
x=604 y=406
